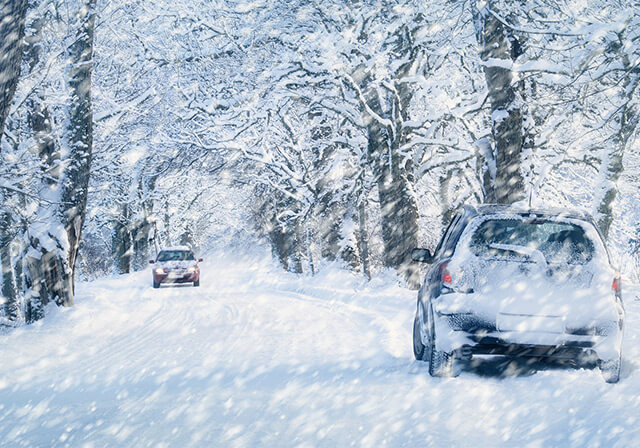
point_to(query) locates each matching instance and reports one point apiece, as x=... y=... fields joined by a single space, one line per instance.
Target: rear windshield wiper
x=534 y=254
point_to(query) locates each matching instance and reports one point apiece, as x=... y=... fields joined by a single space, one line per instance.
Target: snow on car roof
x=486 y=209
x=176 y=248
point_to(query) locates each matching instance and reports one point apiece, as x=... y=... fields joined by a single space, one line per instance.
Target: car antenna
x=530 y=197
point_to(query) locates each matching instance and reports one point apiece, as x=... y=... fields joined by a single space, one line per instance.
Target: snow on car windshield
x=532 y=239
x=176 y=255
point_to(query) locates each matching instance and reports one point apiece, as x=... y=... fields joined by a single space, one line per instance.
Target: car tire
x=419 y=349
x=196 y=283
x=610 y=369
x=156 y=285
x=440 y=363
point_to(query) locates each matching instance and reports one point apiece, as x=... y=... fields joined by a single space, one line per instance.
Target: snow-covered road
x=256 y=357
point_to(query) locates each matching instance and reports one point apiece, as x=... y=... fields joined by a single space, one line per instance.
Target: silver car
x=514 y=282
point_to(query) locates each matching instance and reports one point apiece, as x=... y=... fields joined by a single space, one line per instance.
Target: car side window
x=447 y=235
x=452 y=240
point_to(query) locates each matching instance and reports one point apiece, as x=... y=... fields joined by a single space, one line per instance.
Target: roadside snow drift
x=256 y=357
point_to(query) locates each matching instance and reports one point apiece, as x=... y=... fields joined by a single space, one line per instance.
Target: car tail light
x=445 y=278
x=447 y=284
x=617 y=285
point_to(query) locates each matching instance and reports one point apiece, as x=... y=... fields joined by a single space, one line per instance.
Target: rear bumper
x=577 y=350
x=465 y=337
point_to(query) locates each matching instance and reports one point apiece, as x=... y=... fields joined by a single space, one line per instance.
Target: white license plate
x=174 y=274
x=525 y=322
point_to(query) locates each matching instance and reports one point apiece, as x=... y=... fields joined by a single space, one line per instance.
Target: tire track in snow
x=387 y=330
x=128 y=341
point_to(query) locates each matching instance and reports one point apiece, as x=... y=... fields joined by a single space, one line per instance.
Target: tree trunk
x=287 y=235
x=121 y=242
x=392 y=168
x=398 y=207
x=167 y=224
x=329 y=233
x=48 y=279
x=614 y=170
x=140 y=238
x=296 y=252
x=76 y=182
x=46 y=273
x=12 y=21
x=51 y=258
x=9 y=292
x=12 y=24
x=363 y=239
x=399 y=211
x=279 y=245
x=332 y=212
x=39 y=117
x=628 y=123
x=349 y=252
x=142 y=231
x=312 y=267
x=498 y=52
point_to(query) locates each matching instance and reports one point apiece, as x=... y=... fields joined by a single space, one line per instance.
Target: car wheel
x=156 y=285
x=440 y=363
x=610 y=369
x=196 y=283
x=419 y=350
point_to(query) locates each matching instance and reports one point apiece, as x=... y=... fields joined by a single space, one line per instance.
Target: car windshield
x=175 y=255
x=532 y=240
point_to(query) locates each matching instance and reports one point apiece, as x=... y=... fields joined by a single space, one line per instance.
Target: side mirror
x=421 y=255
x=151 y=262
x=200 y=259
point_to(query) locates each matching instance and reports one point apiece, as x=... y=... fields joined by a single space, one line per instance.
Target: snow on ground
x=257 y=357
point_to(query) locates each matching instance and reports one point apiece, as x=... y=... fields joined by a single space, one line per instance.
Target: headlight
x=159 y=271
x=191 y=269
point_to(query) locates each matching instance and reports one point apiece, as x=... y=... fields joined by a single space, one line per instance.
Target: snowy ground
x=256 y=357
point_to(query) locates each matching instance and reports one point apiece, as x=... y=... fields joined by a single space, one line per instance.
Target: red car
x=176 y=265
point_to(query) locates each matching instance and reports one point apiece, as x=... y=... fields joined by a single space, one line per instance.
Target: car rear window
x=528 y=239
x=175 y=255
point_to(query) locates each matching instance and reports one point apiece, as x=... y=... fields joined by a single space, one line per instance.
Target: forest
x=335 y=131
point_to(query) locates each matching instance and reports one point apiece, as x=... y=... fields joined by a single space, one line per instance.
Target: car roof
x=491 y=209
x=176 y=248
